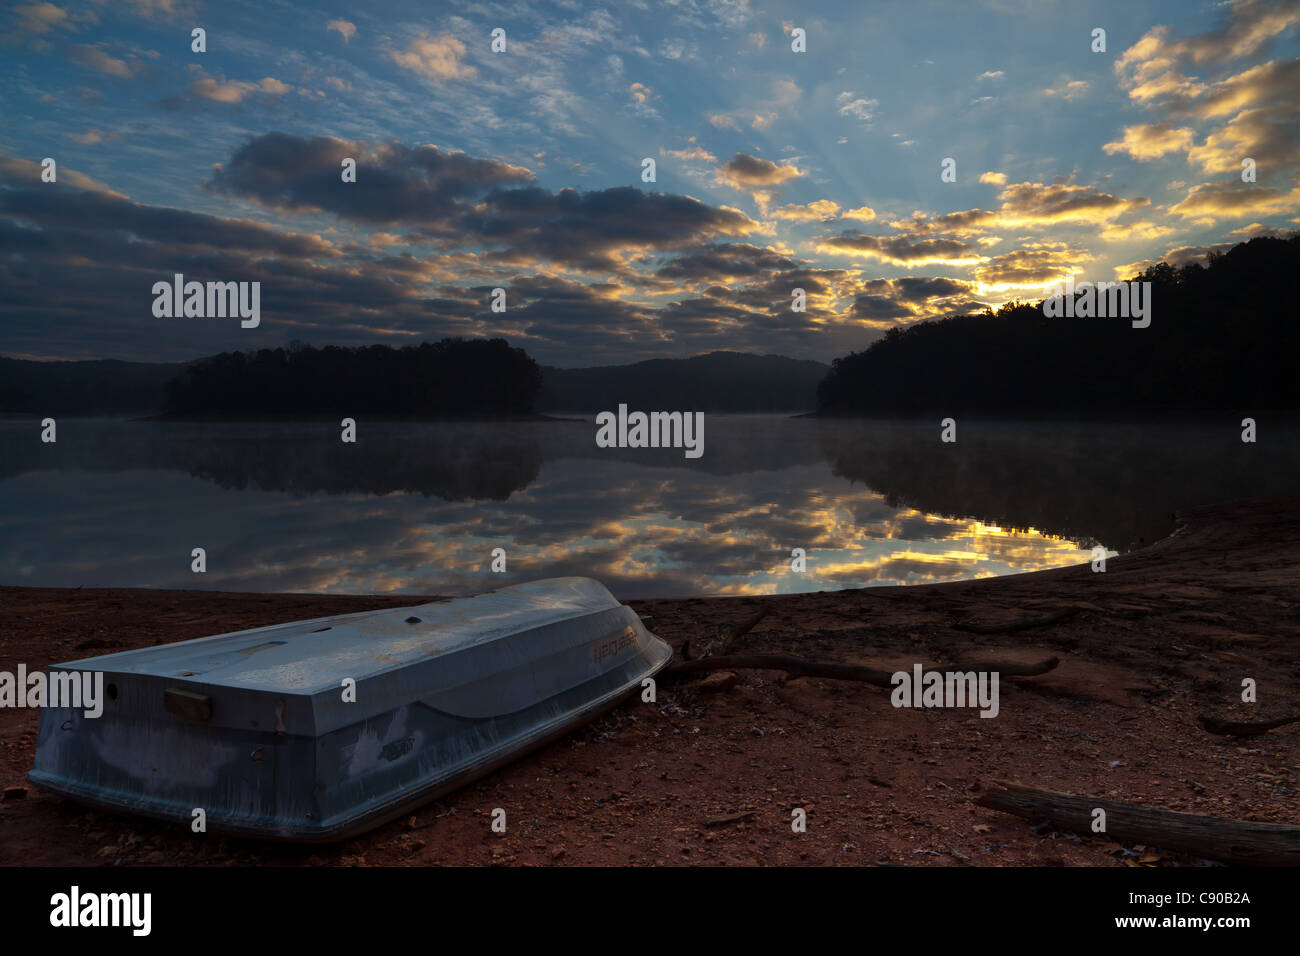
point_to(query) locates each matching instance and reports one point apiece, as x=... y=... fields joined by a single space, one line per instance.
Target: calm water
x=419 y=507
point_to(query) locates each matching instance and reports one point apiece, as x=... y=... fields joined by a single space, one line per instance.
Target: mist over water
x=418 y=507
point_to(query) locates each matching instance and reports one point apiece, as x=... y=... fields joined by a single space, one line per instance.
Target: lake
x=419 y=507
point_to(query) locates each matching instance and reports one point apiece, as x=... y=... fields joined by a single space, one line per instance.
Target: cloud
x=38 y=18
x=885 y=303
x=95 y=58
x=747 y=172
x=968 y=222
x=1270 y=136
x=24 y=172
x=1234 y=200
x=1070 y=91
x=861 y=214
x=717 y=262
x=592 y=230
x=437 y=58
x=1276 y=81
x=996 y=179
x=811 y=212
x=345 y=29
x=271 y=85
x=641 y=97
x=1035 y=266
x=991 y=75
x=1026 y=204
x=1246 y=27
x=395 y=183
x=856 y=107
x=166 y=9
x=460 y=200
x=1152 y=140
x=1143 y=229
x=690 y=154
x=105 y=252
x=899 y=250
x=93 y=136
x=1150 y=69
x=221 y=90
x=1259 y=107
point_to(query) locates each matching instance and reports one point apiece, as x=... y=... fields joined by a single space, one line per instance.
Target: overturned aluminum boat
x=264 y=732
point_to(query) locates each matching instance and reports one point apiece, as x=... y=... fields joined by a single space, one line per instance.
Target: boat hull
x=261 y=731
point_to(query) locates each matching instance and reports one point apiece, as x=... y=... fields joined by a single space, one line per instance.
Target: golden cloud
x=1036 y=266
x=437 y=58
x=1235 y=200
x=811 y=212
x=747 y=172
x=899 y=250
x=1152 y=140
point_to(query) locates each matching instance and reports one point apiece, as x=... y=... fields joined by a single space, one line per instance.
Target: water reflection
x=419 y=507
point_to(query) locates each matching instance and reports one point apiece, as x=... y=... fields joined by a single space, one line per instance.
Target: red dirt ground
x=1166 y=633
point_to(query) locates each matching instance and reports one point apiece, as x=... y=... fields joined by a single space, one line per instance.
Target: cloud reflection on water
x=419 y=508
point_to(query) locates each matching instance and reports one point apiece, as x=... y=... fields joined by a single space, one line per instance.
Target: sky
x=523 y=169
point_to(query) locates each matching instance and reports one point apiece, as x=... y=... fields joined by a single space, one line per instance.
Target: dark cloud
x=752 y=172
x=900 y=249
x=724 y=260
x=394 y=184
x=917 y=288
x=879 y=307
x=463 y=202
x=586 y=230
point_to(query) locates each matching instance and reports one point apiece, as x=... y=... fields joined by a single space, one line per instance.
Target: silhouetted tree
x=453 y=377
x=1221 y=337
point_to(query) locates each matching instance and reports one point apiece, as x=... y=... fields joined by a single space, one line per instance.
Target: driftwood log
x=1243 y=842
x=718 y=657
x=796 y=667
x=1021 y=624
x=1250 y=728
x=727 y=636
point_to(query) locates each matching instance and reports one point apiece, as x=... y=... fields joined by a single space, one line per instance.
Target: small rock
x=14 y=793
x=717 y=682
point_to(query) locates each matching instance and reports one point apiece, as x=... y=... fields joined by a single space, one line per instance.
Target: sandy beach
x=711 y=776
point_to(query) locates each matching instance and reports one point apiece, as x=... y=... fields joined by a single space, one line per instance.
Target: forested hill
x=714 y=382
x=99 y=387
x=1223 y=337
x=449 y=378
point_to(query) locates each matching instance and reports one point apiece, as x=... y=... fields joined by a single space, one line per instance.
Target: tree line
x=1221 y=338
x=454 y=377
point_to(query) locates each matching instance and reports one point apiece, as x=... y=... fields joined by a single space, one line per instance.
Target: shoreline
x=1168 y=632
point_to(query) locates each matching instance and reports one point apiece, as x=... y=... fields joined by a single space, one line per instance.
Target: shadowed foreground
x=1167 y=633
